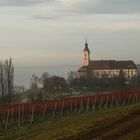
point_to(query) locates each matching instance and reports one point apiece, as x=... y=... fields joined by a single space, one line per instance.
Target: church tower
x=86 y=55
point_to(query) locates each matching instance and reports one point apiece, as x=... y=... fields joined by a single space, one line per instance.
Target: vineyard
x=20 y=114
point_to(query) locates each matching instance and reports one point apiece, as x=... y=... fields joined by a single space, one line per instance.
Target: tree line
x=55 y=85
x=105 y=83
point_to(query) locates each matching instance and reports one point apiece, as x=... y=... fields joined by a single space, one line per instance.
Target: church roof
x=108 y=64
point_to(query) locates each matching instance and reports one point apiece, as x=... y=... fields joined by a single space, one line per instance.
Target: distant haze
x=41 y=33
x=23 y=74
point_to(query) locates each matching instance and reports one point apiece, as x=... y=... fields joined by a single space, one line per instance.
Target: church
x=108 y=68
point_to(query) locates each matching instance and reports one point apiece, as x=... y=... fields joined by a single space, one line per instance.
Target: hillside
x=117 y=124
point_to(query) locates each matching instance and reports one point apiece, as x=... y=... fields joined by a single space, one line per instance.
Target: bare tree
x=34 y=82
x=71 y=76
x=7 y=80
x=2 y=83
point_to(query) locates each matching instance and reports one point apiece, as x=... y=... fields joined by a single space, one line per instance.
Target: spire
x=86 y=44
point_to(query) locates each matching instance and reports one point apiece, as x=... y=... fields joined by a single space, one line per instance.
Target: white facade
x=128 y=73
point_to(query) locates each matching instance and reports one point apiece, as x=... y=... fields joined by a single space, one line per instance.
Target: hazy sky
x=53 y=32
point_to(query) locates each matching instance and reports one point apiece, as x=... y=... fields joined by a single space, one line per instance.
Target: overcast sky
x=53 y=32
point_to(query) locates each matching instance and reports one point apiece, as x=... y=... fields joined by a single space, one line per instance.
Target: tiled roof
x=108 y=64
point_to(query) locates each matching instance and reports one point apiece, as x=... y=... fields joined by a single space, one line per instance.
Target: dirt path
x=126 y=129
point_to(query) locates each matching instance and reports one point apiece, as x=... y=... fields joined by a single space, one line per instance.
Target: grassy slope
x=119 y=124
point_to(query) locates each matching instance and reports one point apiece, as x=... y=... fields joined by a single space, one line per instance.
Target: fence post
x=62 y=107
x=55 y=105
x=2 y=124
x=44 y=111
x=87 y=107
x=118 y=101
x=112 y=101
x=106 y=103
x=124 y=102
x=136 y=99
x=133 y=99
x=32 y=115
x=129 y=99
x=100 y=107
x=75 y=107
x=19 y=117
x=22 y=114
x=71 y=106
x=94 y=104
x=81 y=106
x=7 y=119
